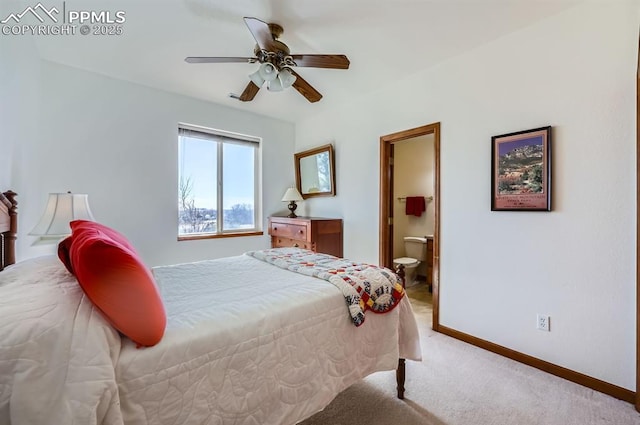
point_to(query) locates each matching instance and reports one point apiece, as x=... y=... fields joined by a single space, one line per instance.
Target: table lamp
x=292 y=195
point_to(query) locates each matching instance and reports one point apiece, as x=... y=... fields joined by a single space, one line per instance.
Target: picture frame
x=521 y=170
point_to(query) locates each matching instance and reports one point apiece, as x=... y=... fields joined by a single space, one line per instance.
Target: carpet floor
x=460 y=384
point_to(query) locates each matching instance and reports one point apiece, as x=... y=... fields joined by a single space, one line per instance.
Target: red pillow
x=65 y=245
x=118 y=283
x=63 y=253
x=113 y=234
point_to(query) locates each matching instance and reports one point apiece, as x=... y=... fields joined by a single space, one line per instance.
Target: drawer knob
x=275 y=228
x=296 y=245
x=300 y=231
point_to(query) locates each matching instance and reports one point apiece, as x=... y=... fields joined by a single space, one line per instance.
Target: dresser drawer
x=288 y=230
x=277 y=242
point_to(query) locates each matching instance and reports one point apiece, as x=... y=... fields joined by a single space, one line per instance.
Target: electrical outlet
x=543 y=322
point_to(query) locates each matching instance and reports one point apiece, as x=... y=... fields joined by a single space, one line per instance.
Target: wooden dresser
x=314 y=233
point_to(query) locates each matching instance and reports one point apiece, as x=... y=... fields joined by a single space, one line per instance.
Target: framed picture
x=521 y=171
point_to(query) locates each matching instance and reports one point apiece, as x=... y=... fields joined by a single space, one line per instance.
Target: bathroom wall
x=413 y=176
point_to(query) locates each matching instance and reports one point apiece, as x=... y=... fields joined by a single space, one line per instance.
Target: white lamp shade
x=62 y=208
x=268 y=71
x=292 y=194
x=275 y=85
x=286 y=78
x=284 y=81
x=256 y=78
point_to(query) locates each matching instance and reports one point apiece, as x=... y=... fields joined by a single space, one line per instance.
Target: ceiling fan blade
x=249 y=92
x=262 y=34
x=196 y=59
x=322 y=61
x=305 y=88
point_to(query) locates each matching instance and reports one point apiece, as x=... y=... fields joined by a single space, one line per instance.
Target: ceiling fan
x=276 y=63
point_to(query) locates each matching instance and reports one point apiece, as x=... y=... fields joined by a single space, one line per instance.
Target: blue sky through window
x=198 y=161
x=238 y=174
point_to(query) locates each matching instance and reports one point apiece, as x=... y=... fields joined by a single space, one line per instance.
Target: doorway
x=387 y=198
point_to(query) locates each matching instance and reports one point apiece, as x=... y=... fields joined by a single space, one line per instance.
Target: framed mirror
x=315 y=172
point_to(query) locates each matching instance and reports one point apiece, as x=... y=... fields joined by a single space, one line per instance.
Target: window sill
x=217 y=236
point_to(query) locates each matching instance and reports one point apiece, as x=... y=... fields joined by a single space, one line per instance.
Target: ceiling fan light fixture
x=256 y=78
x=275 y=85
x=268 y=71
x=275 y=62
x=286 y=78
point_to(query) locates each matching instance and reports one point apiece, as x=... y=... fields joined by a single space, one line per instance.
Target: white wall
x=117 y=142
x=575 y=71
x=19 y=85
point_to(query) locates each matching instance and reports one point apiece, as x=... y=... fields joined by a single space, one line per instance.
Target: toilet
x=415 y=249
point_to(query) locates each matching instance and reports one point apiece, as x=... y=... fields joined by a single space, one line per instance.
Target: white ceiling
x=385 y=40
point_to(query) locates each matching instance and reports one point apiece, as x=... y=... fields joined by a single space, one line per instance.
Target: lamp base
x=292 y=207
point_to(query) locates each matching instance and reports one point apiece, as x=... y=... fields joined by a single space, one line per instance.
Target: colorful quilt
x=364 y=286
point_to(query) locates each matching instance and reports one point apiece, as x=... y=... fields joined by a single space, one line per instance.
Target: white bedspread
x=57 y=353
x=246 y=343
x=250 y=343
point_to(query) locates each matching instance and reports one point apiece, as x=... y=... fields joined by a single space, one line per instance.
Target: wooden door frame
x=386 y=204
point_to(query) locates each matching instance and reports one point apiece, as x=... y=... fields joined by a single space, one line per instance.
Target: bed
x=238 y=348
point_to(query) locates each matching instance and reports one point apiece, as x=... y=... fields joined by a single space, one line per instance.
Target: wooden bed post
x=400 y=371
x=10 y=236
x=400 y=378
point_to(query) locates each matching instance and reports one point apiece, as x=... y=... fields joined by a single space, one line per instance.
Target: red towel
x=415 y=205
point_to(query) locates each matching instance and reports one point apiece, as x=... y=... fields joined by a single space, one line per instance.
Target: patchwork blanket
x=364 y=286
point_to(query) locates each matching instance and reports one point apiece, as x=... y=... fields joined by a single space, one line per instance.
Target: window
x=218 y=183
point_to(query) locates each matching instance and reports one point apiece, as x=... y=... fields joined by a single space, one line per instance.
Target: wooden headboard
x=8 y=228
